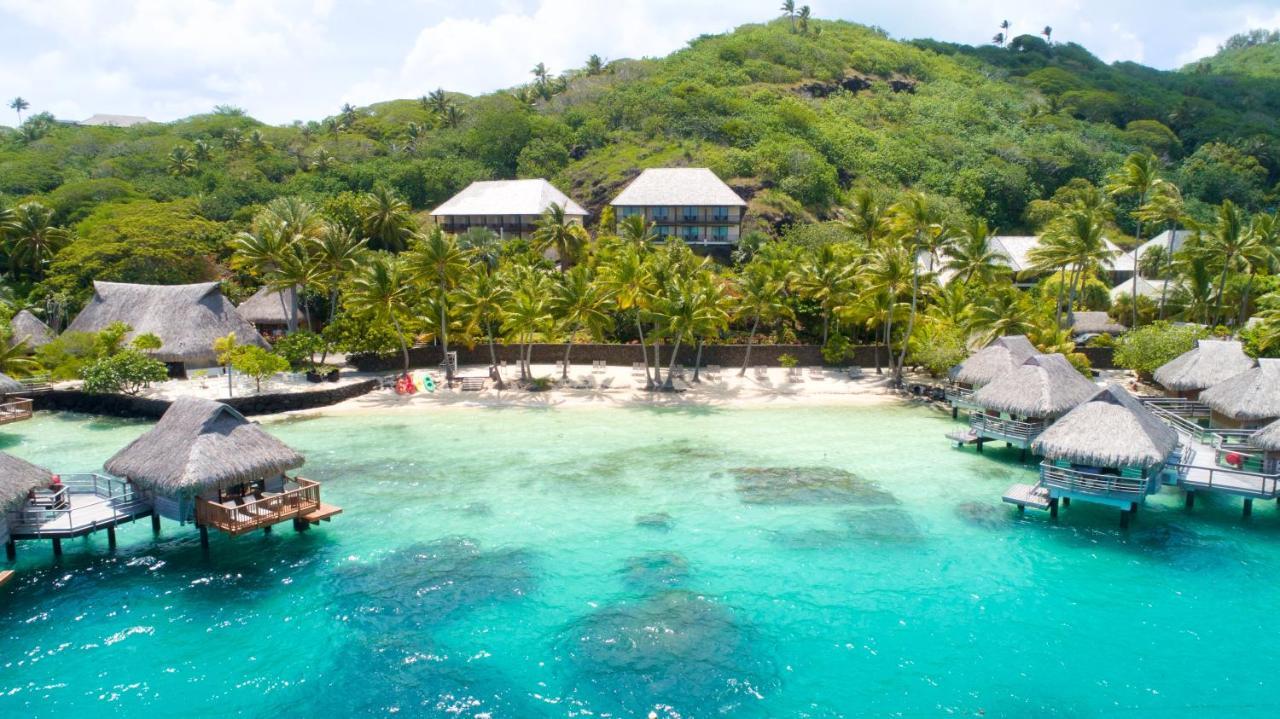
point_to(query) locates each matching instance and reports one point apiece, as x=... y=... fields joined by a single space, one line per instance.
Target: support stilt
x=11 y=550
x=1053 y=508
x=266 y=529
x=204 y=537
x=1023 y=456
x=300 y=524
x=1248 y=508
x=57 y=547
x=1191 y=500
x=979 y=443
x=155 y=523
x=1022 y=509
x=1066 y=501
x=1124 y=519
x=111 y=537
x=955 y=413
x=1133 y=507
x=1008 y=445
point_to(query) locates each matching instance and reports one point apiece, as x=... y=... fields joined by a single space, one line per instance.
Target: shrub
x=67 y=355
x=788 y=360
x=257 y=363
x=299 y=349
x=127 y=371
x=1147 y=348
x=146 y=342
x=938 y=347
x=836 y=350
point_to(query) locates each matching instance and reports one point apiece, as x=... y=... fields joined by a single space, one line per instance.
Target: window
x=690 y=214
x=660 y=213
x=630 y=211
x=690 y=234
x=721 y=214
x=720 y=233
x=664 y=231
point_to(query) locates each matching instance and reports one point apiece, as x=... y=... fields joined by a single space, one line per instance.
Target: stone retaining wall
x=118 y=405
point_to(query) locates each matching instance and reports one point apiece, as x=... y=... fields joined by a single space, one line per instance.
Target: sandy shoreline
x=618 y=387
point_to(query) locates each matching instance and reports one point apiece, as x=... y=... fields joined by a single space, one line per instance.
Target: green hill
x=1254 y=54
x=794 y=120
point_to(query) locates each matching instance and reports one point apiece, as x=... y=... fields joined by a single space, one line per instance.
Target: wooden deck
x=270 y=508
x=1027 y=495
x=88 y=503
x=15 y=410
x=962 y=437
x=5 y=576
x=323 y=513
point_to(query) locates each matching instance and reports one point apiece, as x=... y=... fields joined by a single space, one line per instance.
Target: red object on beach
x=404 y=385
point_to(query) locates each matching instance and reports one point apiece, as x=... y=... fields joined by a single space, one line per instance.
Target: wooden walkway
x=323 y=513
x=1027 y=495
x=5 y=576
x=84 y=514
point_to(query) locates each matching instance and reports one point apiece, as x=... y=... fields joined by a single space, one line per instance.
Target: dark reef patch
x=807 y=485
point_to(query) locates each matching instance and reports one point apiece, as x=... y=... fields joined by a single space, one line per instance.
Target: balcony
x=245 y=514
x=1018 y=433
x=77 y=505
x=15 y=410
x=1098 y=484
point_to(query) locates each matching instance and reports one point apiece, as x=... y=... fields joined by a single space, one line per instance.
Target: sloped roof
x=1045 y=386
x=186 y=318
x=1267 y=438
x=508 y=197
x=26 y=326
x=1207 y=364
x=1250 y=396
x=1002 y=355
x=115 y=120
x=677 y=186
x=1016 y=251
x=1162 y=241
x=17 y=478
x=1090 y=322
x=1146 y=288
x=9 y=385
x=200 y=445
x=270 y=307
x=1110 y=429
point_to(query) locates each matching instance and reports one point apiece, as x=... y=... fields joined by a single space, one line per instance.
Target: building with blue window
x=690 y=203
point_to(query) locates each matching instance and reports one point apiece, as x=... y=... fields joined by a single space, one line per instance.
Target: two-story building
x=686 y=202
x=511 y=208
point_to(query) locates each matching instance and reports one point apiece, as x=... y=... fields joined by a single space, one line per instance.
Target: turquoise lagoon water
x=763 y=562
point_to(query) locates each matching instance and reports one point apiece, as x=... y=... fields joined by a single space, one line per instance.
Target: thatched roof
x=9 y=385
x=1250 y=396
x=1045 y=386
x=17 y=478
x=1210 y=362
x=26 y=326
x=1083 y=323
x=991 y=361
x=186 y=318
x=1110 y=429
x=200 y=445
x=270 y=307
x=1267 y=438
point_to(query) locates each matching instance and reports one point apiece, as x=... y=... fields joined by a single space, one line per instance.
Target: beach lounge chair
x=638 y=368
x=794 y=374
x=677 y=372
x=598 y=367
x=472 y=384
x=713 y=372
x=762 y=372
x=606 y=383
x=560 y=366
x=855 y=372
x=816 y=373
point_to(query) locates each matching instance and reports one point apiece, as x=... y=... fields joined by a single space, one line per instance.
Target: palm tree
x=682 y=311
x=382 y=293
x=1048 y=34
x=595 y=65
x=481 y=300
x=826 y=278
x=338 y=254
x=868 y=218
x=714 y=311
x=18 y=105
x=233 y=138
x=629 y=280
x=528 y=311
x=271 y=244
x=1137 y=177
x=258 y=141
x=789 y=10
x=438 y=263
x=201 y=151
x=890 y=272
x=636 y=230
x=915 y=219
x=1005 y=26
x=181 y=161
x=386 y=219
x=998 y=39
x=554 y=231
x=438 y=101
x=541 y=74
x=452 y=116
x=972 y=256
x=1005 y=312
x=1227 y=239
x=15 y=359
x=580 y=303
x=804 y=19
x=33 y=238
x=759 y=288
x=1262 y=255
x=1164 y=207
x=297 y=271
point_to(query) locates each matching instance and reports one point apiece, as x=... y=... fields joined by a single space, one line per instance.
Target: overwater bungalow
x=1002 y=355
x=27 y=327
x=1198 y=369
x=1267 y=441
x=1109 y=450
x=13 y=406
x=205 y=463
x=19 y=480
x=186 y=318
x=1248 y=400
x=1018 y=405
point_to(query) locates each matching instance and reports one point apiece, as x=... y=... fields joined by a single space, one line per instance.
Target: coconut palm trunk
x=751 y=340
x=697 y=361
x=568 y=345
x=444 y=343
x=669 y=385
x=1168 y=262
x=1244 y=300
x=404 y=346
x=644 y=352
x=293 y=309
x=911 y=320
x=1133 y=298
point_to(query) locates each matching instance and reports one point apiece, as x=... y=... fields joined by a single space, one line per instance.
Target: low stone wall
x=118 y=405
x=613 y=354
x=1099 y=357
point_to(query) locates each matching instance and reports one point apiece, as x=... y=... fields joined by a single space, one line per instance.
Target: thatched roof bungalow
x=9 y=386
x=204 y=461
x=1248 y=399
x=1090 y=323
x=186 y=318
x=1002 y=355
x=1210 y=362
x=269 y=310
x=1109 y=449
x=1267 y=439
x=1045 y=386
x=28 y=327
x=17 y=478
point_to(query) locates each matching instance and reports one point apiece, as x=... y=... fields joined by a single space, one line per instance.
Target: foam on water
x=762 y=562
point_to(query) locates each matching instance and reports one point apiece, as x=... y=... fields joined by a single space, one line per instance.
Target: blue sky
x=301 y=59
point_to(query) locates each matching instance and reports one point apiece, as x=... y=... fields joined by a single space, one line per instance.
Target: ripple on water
x=656 y=571
x=677 y=649
x=807 y=485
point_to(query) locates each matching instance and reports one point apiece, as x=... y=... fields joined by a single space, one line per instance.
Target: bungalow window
x=690 y=234
x=660 y=213
x=720 y=233
x=721 y=214
x=690 y=214
x=630 y=211
x=664 y=231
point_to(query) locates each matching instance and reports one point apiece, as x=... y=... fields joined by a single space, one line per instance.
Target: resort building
x=27 y=327
x=1016 y=253
x=268 y=310
x=1109 y=450
x=101 y=120
x=1094 y=323
x=983 y=366
x=186 y=318
x=1149 y=288
x=510 y=208
x=686 y=202
x=1198 y=369
x=1019 y=404
x=204 y=462
x=1248 y=400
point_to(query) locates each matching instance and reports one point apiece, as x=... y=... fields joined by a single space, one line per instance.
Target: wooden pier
x=1028 y=495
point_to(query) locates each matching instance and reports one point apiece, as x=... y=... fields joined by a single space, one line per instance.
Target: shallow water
x=762 y=562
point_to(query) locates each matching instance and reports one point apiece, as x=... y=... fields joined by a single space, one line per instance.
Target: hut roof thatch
x=270 y=307
x=1210 y=362
x=1045 y=386
x=9 y=385
x=1110 y=429
x=1083 y=323
x=26 y=326
x=17 y=478
x=1250 y=396
x=991 y=361
x=1267 y=438
x=200 y=445
x=186 y=318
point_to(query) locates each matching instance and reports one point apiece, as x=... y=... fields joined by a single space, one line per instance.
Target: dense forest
x=832 y=130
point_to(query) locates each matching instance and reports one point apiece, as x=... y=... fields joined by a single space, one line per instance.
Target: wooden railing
x=1259 y=485
x=1009 y=429
x=1111 y=485
x=15 y=410
x=959 y=396
x=260 y=511
x=1177 y=405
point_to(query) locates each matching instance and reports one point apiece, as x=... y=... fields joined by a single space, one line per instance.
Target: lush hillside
x=1253 y=54
x=796 y=119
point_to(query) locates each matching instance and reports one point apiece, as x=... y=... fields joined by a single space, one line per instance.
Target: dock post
x=300 y=524
x=1133 y=507
x=1124 y=519
x=979 y=443
x=955 y=412
x=155 y=524
x=1053 y=508
x=111 y=537
x=204 y=538
x=57 y=547
x=266 y=529
x=11 y=550
x=1191 y=500
x=1066 y=501
x=1248 y=508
